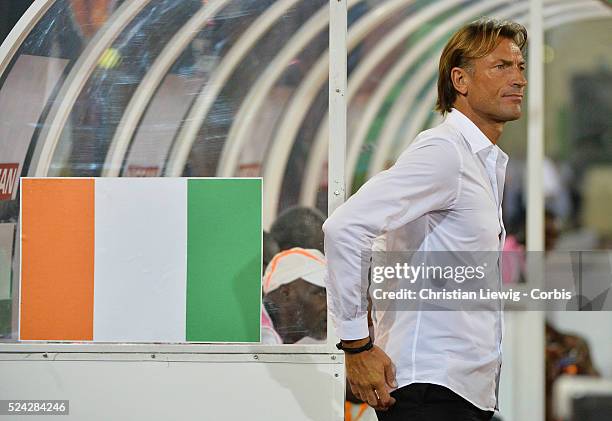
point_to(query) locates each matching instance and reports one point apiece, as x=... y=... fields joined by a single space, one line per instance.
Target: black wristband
x=365 y=347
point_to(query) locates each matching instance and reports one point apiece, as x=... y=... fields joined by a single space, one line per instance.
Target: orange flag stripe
x=57 y=281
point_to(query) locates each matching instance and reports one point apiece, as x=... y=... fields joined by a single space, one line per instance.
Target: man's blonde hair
x=474 y=40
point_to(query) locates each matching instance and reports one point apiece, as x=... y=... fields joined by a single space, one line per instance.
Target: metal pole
x=529 y=394
x=336 y=193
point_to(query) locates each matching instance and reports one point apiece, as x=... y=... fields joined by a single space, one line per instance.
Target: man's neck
x=491 y=129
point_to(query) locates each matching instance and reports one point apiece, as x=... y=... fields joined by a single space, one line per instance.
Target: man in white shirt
x=444 y=193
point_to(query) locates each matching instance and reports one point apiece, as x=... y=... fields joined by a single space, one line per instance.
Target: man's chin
x=510 y=115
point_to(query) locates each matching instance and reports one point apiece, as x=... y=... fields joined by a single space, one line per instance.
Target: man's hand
x=371 y=375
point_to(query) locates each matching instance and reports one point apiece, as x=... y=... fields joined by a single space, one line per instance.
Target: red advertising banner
x=8 y=180
x=142 y=171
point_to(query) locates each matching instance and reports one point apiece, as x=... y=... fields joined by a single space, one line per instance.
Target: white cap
x=292 y=264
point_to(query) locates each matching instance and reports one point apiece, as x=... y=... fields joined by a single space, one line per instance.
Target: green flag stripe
x=223 y=260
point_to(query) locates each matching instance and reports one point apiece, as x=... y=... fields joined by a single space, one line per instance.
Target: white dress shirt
x=443 y=194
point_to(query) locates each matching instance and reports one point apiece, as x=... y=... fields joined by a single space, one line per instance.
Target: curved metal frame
x=222 y=73
x=140 y=99
x=21 y=30
x=239 y=131
x=577 y=12
x=229 y=155
x=74 y=83
x=408 y=95
x=421 y=113
x=219 y=77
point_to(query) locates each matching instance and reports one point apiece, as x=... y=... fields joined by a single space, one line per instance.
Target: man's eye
x=500 y=66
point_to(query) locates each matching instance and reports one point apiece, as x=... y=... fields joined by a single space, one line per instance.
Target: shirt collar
x=474 y=136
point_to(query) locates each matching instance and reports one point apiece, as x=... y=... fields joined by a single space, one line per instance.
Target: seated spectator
x=294 y=295
x=565 y=354
x=299 y=227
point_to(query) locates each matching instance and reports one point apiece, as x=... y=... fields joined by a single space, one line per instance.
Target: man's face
x=299 y=307
x=496 y=83
x=312 y=304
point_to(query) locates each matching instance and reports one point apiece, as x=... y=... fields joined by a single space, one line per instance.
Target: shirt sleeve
x=425 y=178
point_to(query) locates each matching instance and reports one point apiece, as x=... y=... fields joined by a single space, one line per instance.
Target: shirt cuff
x=349 y=330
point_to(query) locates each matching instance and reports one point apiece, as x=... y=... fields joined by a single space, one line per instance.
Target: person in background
x=294 y=295
x=299 y=227
x=566 y=354
x=295 y=227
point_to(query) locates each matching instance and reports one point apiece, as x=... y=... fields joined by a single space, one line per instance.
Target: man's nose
x=519 y=79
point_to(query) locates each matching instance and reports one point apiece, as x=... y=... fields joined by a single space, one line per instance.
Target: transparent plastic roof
x=221 y=88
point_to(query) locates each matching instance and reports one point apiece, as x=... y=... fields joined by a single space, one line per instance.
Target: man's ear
x=285 y=290
x=460 y=79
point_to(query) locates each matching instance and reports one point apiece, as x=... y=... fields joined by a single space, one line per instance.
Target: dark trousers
x=430 y=402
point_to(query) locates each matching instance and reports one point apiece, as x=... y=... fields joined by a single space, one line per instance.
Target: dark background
x=10 y=12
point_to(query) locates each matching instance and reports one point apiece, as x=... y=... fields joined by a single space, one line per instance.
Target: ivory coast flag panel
x=141 y=259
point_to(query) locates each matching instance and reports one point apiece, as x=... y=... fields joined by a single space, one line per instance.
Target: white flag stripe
x=140 y=260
